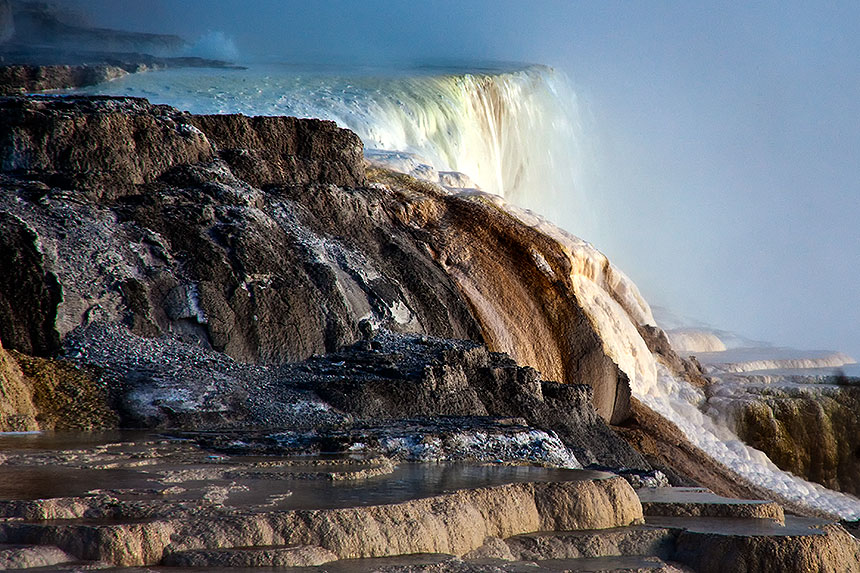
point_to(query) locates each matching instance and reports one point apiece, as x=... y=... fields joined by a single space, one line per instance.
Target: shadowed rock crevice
x=29 y=294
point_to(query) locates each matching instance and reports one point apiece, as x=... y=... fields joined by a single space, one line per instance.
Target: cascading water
x=516 y=134
x=615 y=307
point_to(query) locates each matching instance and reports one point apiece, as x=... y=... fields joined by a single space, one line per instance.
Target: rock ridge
x=187 y=224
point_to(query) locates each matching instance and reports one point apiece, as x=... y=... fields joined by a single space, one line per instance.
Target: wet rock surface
x=168 y=500
x=134 y=500
x=811 y=430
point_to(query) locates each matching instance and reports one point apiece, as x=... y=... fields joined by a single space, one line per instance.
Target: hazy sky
x=726 y=170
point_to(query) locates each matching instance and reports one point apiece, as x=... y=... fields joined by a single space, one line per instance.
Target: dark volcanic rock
x=286 y=150
x=395 y=377
x=261 y=238
x=110 y=144
x=100 y=146
x=29 y=295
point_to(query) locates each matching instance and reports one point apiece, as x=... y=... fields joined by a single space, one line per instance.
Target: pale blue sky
x=726 y=170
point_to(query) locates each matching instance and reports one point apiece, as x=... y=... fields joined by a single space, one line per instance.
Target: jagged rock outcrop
x=264 y=151
x=415 y=377
x=261 y=238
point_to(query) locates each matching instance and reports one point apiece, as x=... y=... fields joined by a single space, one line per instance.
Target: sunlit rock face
x=810 y=430
x=548 y=299
x=261 y=238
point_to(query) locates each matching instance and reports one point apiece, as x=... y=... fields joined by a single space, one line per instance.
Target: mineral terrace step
x=27 y=556
x=271 y=556
x=720 y=544
x=637 y=540
x=701 y=502
x=456 y=523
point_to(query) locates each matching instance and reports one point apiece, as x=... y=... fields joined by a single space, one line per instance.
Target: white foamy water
x=680 y=402
x=614 y=307
x=515 y=133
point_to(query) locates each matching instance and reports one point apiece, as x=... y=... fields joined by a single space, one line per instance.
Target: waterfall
x=517 y=135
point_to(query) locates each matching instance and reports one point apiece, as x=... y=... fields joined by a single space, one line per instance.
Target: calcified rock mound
x=752 y=359
x=158 y=511
x=258 y=237
x=692 y=341
x=811 y=430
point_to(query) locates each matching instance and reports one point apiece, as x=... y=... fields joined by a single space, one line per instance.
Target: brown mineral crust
x=523 y=311
x=17 y=412
x=815 y=436
x=100 y=146
x=285 y=272
x=286 y=150
x=833 y=551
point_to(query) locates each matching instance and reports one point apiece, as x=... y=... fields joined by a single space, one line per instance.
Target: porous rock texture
x=261 y=238
x=833 y=550
x=47 y=394
x=17 y=412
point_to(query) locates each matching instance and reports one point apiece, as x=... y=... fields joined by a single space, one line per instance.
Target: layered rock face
x=261 y=238
x=814 y=432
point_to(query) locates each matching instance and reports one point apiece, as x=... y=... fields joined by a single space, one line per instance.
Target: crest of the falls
x=514 y=132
